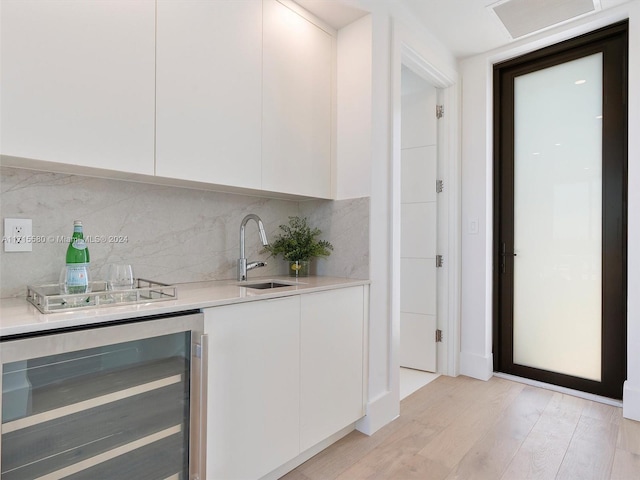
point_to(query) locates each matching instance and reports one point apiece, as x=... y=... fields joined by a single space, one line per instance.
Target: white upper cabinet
x=297 y=104
x=209 y=77
x=235 y=93
x=77 y=82
x=244 y=96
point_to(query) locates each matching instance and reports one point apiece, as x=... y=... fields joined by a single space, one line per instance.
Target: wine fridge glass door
x=117 y=406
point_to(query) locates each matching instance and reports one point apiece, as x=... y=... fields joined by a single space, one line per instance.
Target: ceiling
x=336 y=13
x=468 y=27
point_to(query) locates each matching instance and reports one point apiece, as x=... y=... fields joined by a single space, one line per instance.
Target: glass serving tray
x=48 y=299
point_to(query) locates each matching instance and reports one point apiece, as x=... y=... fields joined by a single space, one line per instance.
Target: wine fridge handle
x=198 y=449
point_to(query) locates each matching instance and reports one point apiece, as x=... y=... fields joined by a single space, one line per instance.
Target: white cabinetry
x=284 y=375
x=244 y=96
x=331 y=358
x=209 y=77
x=253 y=392
x=235 y=93
x=77 y=82
x=297 y=100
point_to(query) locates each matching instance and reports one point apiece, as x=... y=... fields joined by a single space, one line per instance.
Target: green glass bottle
x=77 y=262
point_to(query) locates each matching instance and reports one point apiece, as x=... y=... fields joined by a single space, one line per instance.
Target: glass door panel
x=114 y=411
x=557 y=305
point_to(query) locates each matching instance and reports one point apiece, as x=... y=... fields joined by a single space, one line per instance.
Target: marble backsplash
x=168 y=234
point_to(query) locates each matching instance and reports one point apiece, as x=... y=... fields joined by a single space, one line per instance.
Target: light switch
x=474 y=226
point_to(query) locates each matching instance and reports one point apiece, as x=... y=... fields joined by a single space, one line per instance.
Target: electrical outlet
x=18 y=233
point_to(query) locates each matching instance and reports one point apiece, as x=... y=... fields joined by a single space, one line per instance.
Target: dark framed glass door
x=560 y=215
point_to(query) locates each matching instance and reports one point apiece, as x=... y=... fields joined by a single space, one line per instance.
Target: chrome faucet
x=243 y=266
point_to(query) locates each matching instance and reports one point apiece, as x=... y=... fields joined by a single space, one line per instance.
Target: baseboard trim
x=381 y=411
x=476 y=366
x=631 y=401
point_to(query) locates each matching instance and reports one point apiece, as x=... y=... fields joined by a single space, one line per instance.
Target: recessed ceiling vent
x=522 y=17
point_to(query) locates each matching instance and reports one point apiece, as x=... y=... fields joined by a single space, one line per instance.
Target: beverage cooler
x=123 y=401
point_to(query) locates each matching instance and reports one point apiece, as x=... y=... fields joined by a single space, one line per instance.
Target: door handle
x=503 y=254
x=198 y=409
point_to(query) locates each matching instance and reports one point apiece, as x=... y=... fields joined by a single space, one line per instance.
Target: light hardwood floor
x=461 y=428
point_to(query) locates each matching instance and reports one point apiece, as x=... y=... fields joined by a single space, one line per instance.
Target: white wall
x=475 y=310
x=476 y=72
x=380 y=408
x=353 y=117
x=390 y=25
x=632 y=385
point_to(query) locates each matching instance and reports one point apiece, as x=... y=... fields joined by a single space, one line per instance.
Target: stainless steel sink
x=266 y=285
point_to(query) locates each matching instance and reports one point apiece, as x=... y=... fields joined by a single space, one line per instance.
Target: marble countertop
x=19 y=317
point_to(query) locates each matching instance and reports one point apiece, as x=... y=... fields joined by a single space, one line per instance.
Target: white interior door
x=418 y=286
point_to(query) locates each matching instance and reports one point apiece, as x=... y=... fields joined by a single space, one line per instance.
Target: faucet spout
x=243 y=265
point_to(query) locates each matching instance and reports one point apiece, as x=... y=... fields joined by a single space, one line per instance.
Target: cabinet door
x=331 y=363
x=209 y=91
x=296 y=126
x=78 y=82
x=253 y=390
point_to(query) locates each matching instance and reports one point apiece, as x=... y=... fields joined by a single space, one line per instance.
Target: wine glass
x=119 y=278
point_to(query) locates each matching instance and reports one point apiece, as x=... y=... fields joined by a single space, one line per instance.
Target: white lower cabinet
x=331 y=363
x=253 y=387
x=284 y=375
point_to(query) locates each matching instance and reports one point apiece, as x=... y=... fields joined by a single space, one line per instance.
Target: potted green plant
x=298 y=244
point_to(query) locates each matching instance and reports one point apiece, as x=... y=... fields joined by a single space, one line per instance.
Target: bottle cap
x=77 y=222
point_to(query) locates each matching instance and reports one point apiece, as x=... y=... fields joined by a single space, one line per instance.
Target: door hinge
x=439 y=261
x=438 y=335
x=439 y=186
x=439 y=111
